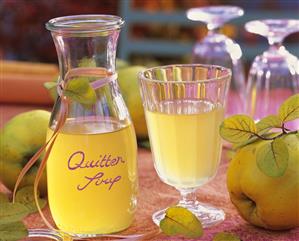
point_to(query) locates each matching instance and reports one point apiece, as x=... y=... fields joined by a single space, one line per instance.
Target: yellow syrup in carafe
x=92 y=177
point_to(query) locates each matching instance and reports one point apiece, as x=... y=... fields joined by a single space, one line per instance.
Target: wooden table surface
x=155 y=195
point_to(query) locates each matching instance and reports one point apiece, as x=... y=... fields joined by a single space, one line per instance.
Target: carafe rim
x=85 y=23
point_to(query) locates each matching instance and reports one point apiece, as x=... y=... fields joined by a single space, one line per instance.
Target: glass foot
x=50 y=234
x=208 y=215
x=61 y=236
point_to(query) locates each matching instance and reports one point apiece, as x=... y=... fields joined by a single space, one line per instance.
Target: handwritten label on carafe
x=77 y=161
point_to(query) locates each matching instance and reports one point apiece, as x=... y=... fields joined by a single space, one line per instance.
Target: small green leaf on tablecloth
x=3 y=198
x=13 y=231
x=180 y=221
x=25 y=196
x=223 y=236
x=12 y=212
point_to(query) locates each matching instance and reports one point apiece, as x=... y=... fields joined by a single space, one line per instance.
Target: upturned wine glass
x=219 y=49
x=274 y=75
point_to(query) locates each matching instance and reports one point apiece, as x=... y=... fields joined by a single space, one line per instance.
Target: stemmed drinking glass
x=218 y=49
x=274 y=75
x=184 y=107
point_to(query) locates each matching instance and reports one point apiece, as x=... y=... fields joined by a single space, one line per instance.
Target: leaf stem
x=284 y=132
x=283 y=129
x=273 y=138
x=263 y=138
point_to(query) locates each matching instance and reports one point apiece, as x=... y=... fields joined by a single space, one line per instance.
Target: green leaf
x=52 y=88
x=80 y=90
x=87 y=62
x=237 y=128
x=267 y=123
x=272 y=158
x=289 y=109
x=50 y=85
x=223 y=236
x=179 y=220
x=3 y=198
x=25 y=196
x=254 y=139
x=245 y=143
x=13 y=231
x=12 y=212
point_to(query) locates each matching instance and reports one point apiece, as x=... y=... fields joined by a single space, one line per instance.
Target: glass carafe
x=91 y=168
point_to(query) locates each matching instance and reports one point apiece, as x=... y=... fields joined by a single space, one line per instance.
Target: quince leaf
x=3 y=198
x=52 y=88
x=289 y=109
x=79 y=89
x=13 y=231
x=25 y=196
x=179 y=220
x=12 y=212
x=223 y=236
x=87 y=62
x=238 y=128
x=272 y=158
x=254 y=139
x=50 y=85
x=267 y=123
x=245 y=143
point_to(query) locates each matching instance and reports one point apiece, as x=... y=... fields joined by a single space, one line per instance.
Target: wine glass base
x=208 y=215
x=50 y=234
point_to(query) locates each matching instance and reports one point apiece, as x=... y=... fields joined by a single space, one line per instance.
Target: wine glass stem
x=212 y=31
x=188 y=197
x=275 y=42
x=274 y=47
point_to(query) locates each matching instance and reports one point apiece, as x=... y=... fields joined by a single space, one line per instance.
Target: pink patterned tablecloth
x=155 y=195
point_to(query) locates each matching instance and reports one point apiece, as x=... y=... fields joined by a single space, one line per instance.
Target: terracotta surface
x=22 y=82
x=155 y=195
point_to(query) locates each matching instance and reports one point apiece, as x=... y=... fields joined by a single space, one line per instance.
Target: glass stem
x=275 y=46
x=188 y=197
x=212 y=31
x=213 y=27
x=275 y=43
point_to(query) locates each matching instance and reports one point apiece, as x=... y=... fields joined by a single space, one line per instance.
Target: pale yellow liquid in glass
x=185 y=142
x=92 y=177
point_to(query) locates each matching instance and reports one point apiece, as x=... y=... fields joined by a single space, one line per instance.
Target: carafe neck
x=85 y=52
x=85 y=41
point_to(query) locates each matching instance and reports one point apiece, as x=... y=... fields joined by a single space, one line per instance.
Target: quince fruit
x=20 y=138
x=268 y=202
x=128 y=82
